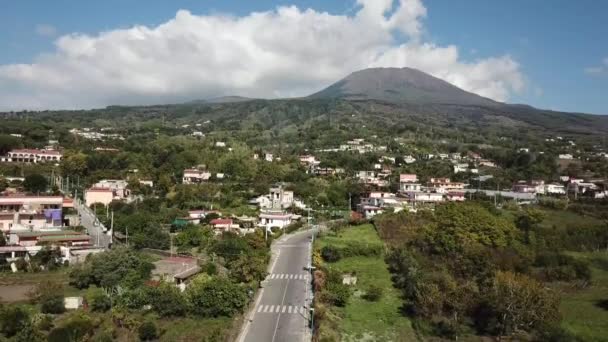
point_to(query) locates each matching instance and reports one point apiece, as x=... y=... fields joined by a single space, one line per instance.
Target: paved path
x=94 y=228
x=281 y=309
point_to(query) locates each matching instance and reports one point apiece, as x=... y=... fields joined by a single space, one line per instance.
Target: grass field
x=191 y=329
x=563 y=218
x=362 y=320
x=582 y=314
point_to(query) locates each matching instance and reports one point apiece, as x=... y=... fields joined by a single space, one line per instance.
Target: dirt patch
x=15 y=293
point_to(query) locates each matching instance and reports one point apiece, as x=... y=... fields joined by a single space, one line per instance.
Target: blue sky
x=553 y=42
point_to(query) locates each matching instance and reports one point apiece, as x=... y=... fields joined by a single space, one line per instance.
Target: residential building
x=49 y=237
x=409 y=183
x=195 y=176
x=455 y=196
x=275 y=218
x=22 y=212
x=224 y=225
x=409 y=159
x=565 y=156
x=280 y=198
x=33 y=156
x=106 y=191
x=370 y=211
x=197 y=215
x=555 y=189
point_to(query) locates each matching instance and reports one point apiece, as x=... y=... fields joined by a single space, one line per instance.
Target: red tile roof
x=221 y=221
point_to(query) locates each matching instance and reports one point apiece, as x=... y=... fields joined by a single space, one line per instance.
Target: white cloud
x=46 y=30
x=280 y=53
x=598 y=70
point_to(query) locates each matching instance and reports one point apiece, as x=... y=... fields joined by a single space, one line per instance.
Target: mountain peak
x=400 y=85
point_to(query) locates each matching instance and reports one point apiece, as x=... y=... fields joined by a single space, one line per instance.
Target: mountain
x=221 y=99
x=414 y=91
x=401 y=85
x=229 y=99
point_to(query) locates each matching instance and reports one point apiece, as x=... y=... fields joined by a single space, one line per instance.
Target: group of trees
x=467 y=267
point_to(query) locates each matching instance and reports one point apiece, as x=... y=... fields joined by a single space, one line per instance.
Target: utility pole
x=127 y=240
x=112 y=228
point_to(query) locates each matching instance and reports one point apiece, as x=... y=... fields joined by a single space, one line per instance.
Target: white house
x=555 y=189
x=33 y=156
x=193 y=176
x=370 y=211
x=270 y=219
x=409 y=159
x=566 y=156
x=455 y=196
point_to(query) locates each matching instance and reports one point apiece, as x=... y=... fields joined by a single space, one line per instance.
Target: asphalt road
x=94 y=228
x=281 y=310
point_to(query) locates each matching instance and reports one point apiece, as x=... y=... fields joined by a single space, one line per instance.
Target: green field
x=563 y=218
x=582 y=314
x=362 y=320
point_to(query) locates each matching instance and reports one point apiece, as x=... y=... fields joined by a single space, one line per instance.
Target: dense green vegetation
x=368 y=310
x=465 y=269
x=445 y=273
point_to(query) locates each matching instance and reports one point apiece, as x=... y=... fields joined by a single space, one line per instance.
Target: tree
x=168 y=301
x=50 y=297
x=517 y=302
x=75 y=328
x=74 y=165
x=218 y=297
x=111 y=268
x=13 y=319
x=461 y=225
x=148 y=331
x=35 y=183
x=248 y=268
x=529 y=220
x=98 y=300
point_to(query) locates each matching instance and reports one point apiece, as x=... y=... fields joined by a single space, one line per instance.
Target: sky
x=70 y=54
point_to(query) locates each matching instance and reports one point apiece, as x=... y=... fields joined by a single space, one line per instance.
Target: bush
x=98 y=300
x=560 y=267
x=336 y=294
x=216 y=297
x=74 y=329
x=148 y=331
x=373 y=293
x=168 y=301
x=12 y=320
x=293 y=227
x=52 y=304
x=210 y=268
x=330 y=254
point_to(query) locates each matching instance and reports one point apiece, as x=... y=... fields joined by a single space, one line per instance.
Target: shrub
x=147 y=331
x=560 y=267
x=74 y=329
x=330 y=254
x=168 y=301
x=373 y=293
x=12 y=320
x=210 y=268
x=98 y=300
x=216 y=297
x=52 y=304
x=336 y=294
